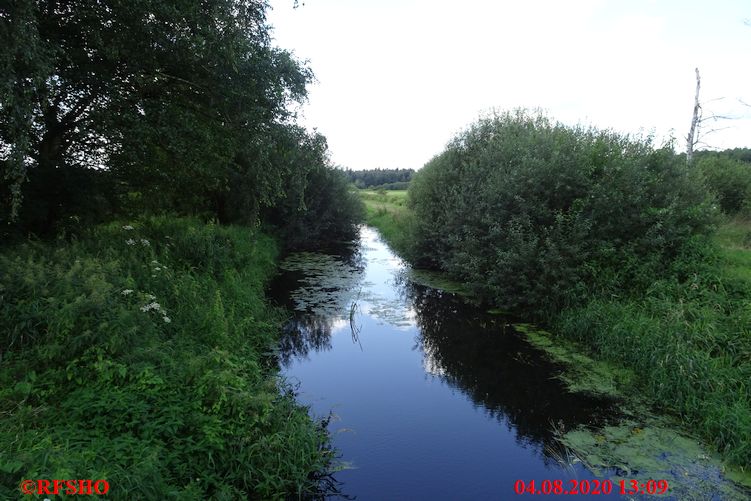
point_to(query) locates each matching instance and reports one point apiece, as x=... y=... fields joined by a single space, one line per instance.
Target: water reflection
x=481 y=355
x=305 y=333
x=438 y=389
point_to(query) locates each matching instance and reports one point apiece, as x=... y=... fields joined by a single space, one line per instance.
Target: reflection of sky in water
x=381 y=299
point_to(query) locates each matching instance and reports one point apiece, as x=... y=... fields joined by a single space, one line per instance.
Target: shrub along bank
x=607 y=240
x=141 y=354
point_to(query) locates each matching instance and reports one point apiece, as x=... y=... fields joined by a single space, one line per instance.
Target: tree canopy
x=182 y=105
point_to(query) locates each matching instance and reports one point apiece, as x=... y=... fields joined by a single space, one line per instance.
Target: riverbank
x=141 y=353
x=688 y=341
x=387 y=211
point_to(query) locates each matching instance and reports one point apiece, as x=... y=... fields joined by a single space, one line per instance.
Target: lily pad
x=328 y=286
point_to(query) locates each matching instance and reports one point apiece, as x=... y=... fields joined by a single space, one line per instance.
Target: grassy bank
x=140 y=353
x=688 y=337
x=387 y=211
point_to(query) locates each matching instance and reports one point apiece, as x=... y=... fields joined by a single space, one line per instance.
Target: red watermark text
x=70 y=487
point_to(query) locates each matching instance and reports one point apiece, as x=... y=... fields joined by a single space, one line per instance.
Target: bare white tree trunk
x=693 y=133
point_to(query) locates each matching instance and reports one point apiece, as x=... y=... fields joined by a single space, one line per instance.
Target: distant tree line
x=390 y=179
x=739 y=154
x=111 y=109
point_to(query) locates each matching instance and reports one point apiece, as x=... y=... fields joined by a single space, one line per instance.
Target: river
x=432 y=397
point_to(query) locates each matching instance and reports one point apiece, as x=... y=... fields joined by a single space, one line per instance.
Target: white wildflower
x=130 y=241
x=128 y=227
x=144 y=242
x=166 y=319
x=150 y=296
x=151 y=306
x=126 y=292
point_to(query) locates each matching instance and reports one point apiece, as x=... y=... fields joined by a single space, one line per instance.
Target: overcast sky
x=396 y=79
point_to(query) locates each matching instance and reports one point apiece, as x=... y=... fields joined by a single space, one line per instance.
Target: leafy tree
x=178 y=98
x=318 y=207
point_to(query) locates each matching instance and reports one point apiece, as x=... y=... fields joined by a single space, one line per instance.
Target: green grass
x=388 y=211
x=734 y=239
x=391 y=197
x=142 y=356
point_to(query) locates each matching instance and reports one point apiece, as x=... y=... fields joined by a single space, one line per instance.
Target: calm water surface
x=433 y=398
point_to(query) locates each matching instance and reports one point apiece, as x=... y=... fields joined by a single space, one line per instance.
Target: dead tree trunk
x=693 y=133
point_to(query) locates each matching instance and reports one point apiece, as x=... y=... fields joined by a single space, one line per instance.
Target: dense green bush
x=535 y=215
x=729 y=179
x=142 y=355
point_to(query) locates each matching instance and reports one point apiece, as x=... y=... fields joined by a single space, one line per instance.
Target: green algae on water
x=441 y=281
x=640 y=446
x=651 y=449
x=581 y=374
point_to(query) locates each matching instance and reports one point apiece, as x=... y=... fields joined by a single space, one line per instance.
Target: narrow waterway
x=432 y=397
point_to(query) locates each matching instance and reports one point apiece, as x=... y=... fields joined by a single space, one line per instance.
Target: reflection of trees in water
x=352 y=255
x=478 y=354
x=329 y=295
x=305 y=333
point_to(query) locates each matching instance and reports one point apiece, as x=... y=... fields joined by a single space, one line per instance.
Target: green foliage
x=534 y=214
x=318 y=207
x=390 y=179
x=123 y=108
x=729 y=179
x=739 y=154
x=141 y=355
x=181 y=100
x=398 y=186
